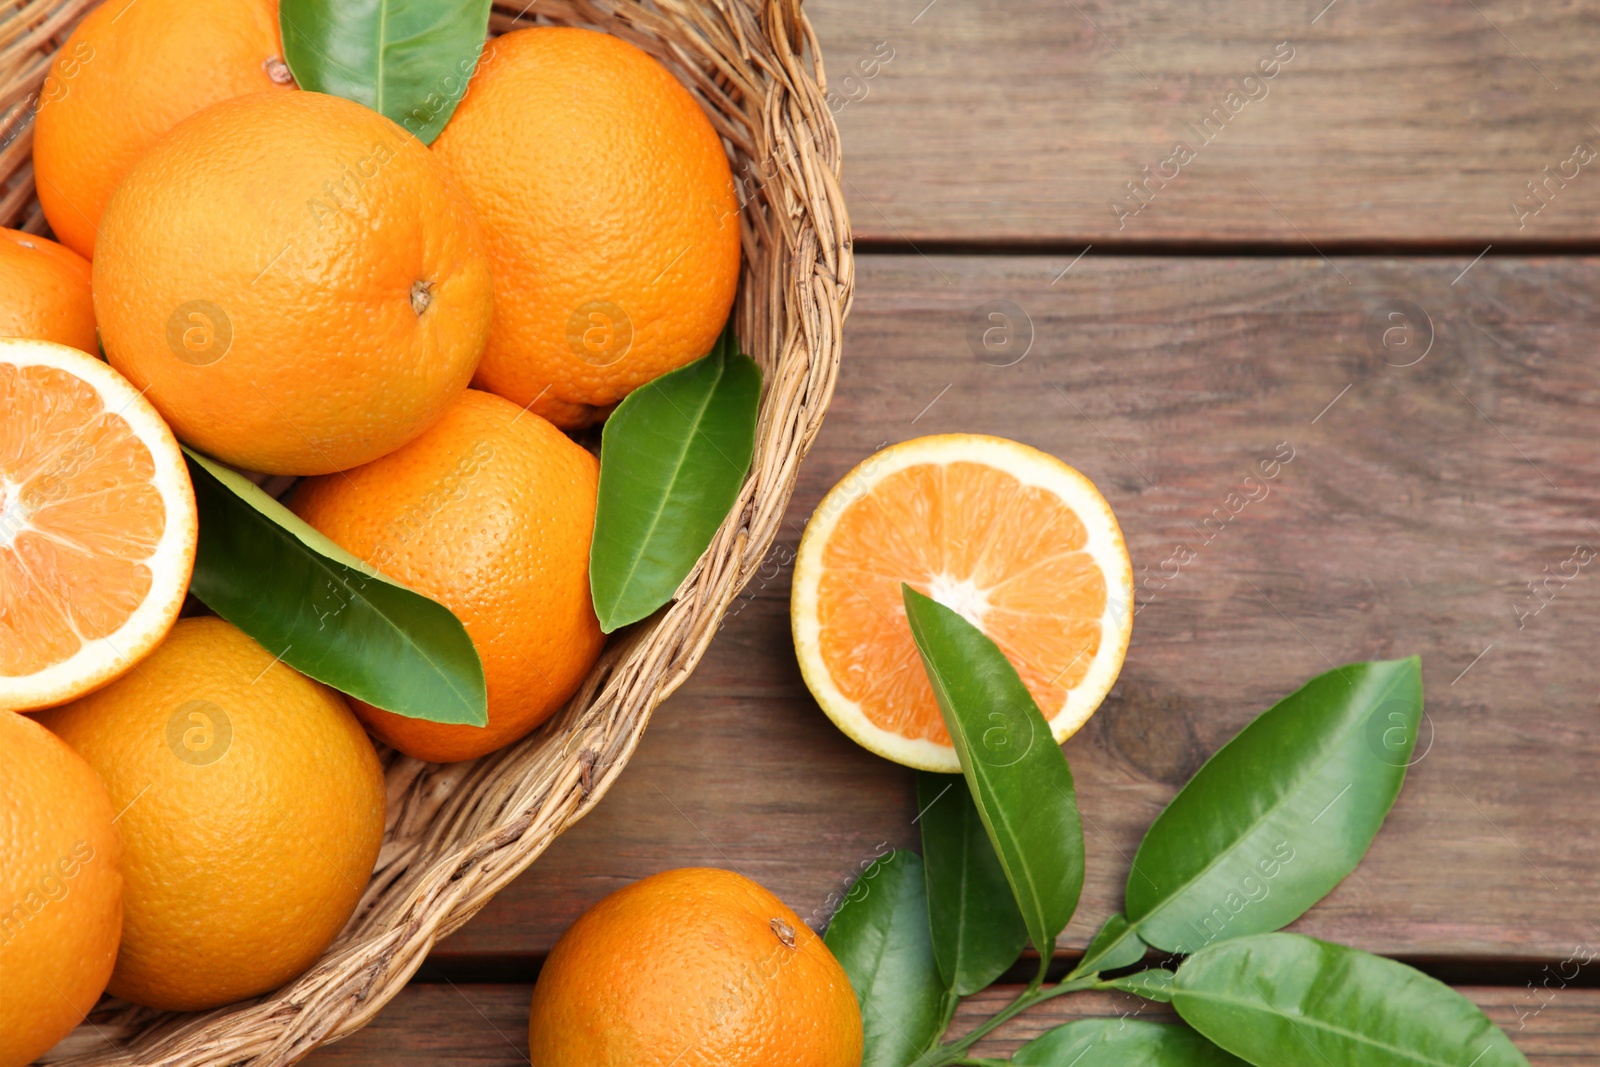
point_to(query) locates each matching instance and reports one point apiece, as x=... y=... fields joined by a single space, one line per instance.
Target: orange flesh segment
x=80 y=517
x=1009 y=556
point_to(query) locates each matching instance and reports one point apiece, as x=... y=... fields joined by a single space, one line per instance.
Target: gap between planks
x=1515 y=972
x=1205 y=247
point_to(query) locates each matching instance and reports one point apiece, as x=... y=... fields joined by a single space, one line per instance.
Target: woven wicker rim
x=458 y=833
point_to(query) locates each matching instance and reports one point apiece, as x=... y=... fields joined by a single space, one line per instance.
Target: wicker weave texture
x=458 y=833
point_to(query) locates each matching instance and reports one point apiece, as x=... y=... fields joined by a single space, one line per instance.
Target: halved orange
x=97 y=525
x=1019 y=543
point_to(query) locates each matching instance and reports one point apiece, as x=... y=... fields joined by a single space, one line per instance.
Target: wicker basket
x=458 y=833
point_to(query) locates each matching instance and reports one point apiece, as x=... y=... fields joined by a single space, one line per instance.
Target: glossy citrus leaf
x=977 y=930
x=673 y=457
x=1116 y=945
x=325 y=612
x=1015 y=771
x=1122 y=1043
x=1282 y=998
x=1282 y=813
x=409 y=60
x=880 y=937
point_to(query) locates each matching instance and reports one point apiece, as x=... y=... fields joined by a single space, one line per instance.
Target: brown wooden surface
x=1414 y=513
x=1009 y=121
x=1420 y=502
x=487 y=1025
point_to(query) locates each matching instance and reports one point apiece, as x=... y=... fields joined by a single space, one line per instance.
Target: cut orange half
x=97 y=525
x=1019 y=543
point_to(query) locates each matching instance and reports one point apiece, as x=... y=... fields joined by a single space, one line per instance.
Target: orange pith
x=80 y=517
x=1009 y=556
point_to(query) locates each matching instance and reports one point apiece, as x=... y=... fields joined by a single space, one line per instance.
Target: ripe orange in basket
x=295 y=283
x=693 y=968
x=130 y=72
x=490 y=513
x=44 y=292
x=97 y=524
x=610 y=213
x=1019 y=543
x=251 y=814
x=60 y=888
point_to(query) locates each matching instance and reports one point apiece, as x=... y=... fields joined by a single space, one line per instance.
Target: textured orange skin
x=490 y=513
x=599 y=179
x=239 y=871
x=684 y=968
x=44 y=292
x=129 y=73
x=60 y=889
x=305 y=221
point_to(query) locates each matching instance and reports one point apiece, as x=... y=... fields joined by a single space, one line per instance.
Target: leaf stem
x=1045 y=959
x=953 y=1054
x=946 y=1014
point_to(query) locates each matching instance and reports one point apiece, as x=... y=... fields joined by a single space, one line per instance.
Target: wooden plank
x=1021 y=121
x=1419 y=503
x=487 y=1025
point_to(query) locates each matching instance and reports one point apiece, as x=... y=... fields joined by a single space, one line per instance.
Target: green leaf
x=977 y=930
x=1283 y=998
x=325 y=612
x=880 y=937
x=407 y=59
x=1281 y=813
x=672 y=459
x=1154 y=984
x=1122 y=1043
x=1116 y=945
x=1015 y=771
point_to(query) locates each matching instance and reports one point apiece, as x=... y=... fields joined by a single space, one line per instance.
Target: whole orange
x=294 y=281
x=610 y=214
x=251 y=815
x=130 y=72
x=60 y=889
x=693 y=968
x=489 y=512
x=44 y=292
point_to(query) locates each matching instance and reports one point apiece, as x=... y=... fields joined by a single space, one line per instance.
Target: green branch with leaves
x=1271 y=823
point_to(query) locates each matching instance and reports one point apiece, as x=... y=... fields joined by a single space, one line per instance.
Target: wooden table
x=1163 y=343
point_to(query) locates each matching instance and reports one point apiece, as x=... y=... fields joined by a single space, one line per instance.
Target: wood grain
x=1018 y=122
x=487 y=1025
x=1419 y=503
